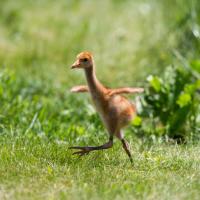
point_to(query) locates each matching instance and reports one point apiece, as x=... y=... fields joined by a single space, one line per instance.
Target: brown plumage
x=115 y=110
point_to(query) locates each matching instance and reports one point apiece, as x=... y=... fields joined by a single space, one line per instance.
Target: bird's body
x=114 y=109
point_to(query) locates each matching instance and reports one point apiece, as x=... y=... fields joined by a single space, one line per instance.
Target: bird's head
x=83 y=60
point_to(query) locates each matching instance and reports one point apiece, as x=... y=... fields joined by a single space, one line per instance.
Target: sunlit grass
x=38 y=169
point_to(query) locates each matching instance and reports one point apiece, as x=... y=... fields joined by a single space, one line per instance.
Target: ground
x=38 y=169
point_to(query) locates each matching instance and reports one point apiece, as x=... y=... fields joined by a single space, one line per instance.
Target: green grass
x=40 y=169
x=40 y=119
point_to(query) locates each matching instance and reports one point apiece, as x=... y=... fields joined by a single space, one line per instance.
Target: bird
x=115 y=110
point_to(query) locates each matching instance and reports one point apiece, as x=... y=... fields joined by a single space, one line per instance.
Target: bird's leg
x=127 y=149
x=87 y=149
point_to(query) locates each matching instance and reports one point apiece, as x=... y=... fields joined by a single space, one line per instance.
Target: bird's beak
x=75 y=65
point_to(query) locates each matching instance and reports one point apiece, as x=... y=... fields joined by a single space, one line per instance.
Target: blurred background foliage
x=129 y=39
x=170 y=106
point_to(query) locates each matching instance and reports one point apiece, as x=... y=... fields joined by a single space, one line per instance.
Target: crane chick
x=115 y=110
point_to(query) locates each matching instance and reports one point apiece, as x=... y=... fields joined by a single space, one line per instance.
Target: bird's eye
x=85 y=59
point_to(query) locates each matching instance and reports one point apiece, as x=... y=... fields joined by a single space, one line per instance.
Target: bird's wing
x=80 y=88
x=126 y=90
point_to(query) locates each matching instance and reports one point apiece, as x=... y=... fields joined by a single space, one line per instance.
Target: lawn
x=40 y=119
x=42 y=169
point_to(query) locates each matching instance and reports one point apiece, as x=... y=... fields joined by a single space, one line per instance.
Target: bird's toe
x=81 y=153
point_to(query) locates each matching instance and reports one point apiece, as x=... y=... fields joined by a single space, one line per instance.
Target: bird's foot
x=83 y=151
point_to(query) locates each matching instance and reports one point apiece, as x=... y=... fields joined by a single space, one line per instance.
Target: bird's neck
x=93 y=83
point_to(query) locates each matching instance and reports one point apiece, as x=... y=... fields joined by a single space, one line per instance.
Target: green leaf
x=195 y=64
x=155 y=82
x=184 y=99
x=198 y=84
x=137 y=121
x=190 y=88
